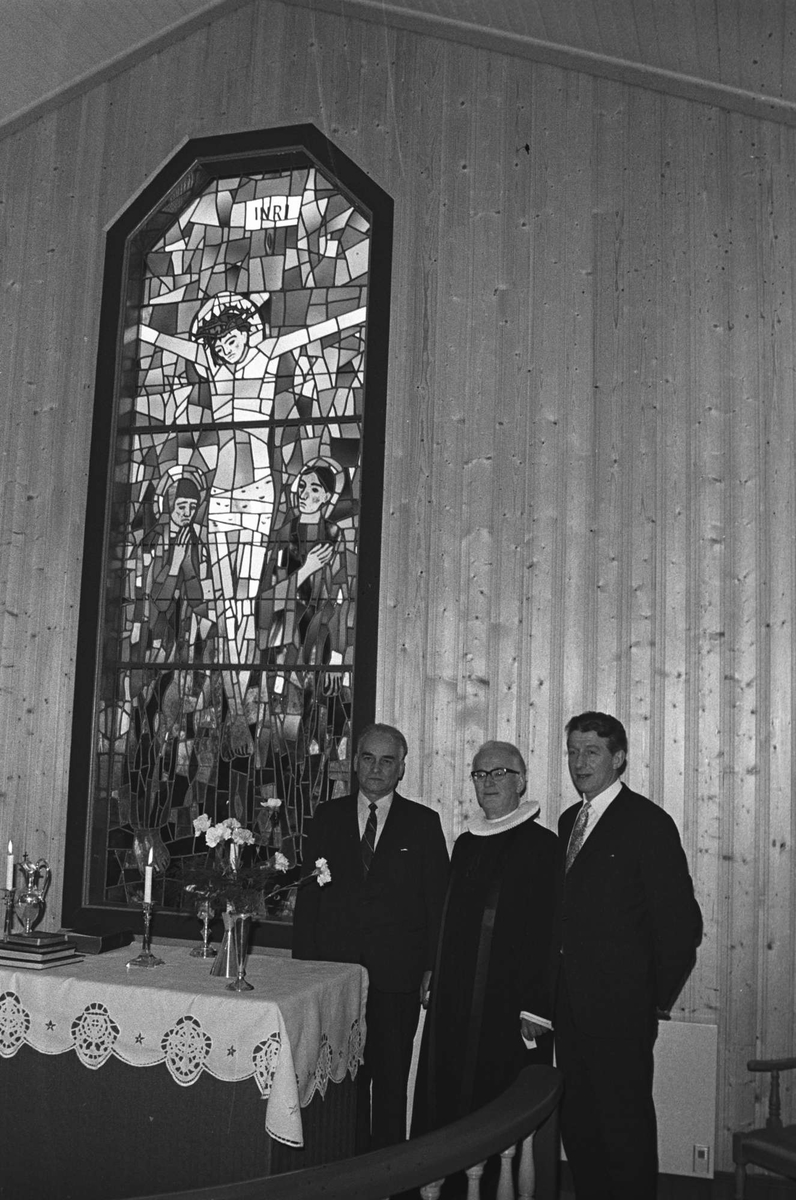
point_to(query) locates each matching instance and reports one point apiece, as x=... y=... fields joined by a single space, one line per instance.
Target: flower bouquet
x=225 y=883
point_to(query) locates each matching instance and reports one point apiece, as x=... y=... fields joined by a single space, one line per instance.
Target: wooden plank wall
x=589 y=494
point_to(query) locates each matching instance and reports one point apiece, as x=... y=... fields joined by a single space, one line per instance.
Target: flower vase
x=241 y=928
x=226 y=963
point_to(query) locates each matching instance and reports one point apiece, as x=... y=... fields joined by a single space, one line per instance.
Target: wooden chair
x=773 y=1147
x=529 y=1104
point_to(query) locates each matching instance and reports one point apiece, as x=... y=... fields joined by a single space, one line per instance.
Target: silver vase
x=226 y=962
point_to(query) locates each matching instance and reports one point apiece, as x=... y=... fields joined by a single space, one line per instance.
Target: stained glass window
x=229 y=640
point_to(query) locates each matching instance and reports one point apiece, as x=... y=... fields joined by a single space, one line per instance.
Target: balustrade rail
x=525 y=1112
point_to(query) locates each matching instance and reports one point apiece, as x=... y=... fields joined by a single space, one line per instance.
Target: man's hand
x=425 y=989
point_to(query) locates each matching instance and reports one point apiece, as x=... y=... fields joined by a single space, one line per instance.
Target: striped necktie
x=578 y=835
x=368 y=843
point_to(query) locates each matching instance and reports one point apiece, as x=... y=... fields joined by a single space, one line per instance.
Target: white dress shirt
x=383 y=806
x=598 y=806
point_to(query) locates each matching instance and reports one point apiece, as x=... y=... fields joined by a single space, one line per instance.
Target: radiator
x=685 y=1097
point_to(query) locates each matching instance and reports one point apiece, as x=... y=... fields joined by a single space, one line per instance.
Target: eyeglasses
x=495 y=773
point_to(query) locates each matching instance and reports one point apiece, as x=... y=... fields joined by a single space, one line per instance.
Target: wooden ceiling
x=743 y=47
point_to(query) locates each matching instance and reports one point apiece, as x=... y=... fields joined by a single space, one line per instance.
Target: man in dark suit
x=627 y=927
x=389 y=867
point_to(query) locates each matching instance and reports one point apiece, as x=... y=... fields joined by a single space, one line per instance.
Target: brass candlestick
x=205 y=914
x=8 y=922
x=146 y=958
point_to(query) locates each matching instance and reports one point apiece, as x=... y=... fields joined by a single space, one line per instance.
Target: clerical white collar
x=482 y=827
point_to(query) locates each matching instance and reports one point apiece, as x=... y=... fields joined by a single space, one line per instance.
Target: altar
x=115 y=1082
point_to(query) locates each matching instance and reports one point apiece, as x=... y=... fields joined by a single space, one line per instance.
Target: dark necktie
x=578 y=835
x=368 y=843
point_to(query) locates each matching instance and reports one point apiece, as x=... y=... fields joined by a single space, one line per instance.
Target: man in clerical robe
x=488 y=1014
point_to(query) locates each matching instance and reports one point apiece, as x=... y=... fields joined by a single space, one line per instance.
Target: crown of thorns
x=222 y=313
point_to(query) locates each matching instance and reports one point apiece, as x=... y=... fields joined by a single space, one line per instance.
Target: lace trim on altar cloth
x=265 y=1058
x=356 y=1048
x=94 y=1036
x=348 y=1061
x=187 y=1048
x=14 y=1024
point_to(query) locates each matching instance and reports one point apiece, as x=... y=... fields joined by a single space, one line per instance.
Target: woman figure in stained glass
x=303 y=608
x=304 y=584
x=172 y=573
x=231 y=347
x=173 y=619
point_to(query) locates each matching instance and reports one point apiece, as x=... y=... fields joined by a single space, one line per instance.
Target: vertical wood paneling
x=741 y=643
x=590 y=488
x=670 y=754
x=674 y=748
x=547 y=513
x=563 y=459
x=512 y=467
x=705 y=615
x=613 y=469
x=774 y=825
x=27 y=516
x=481 y=225
x=576 y=526
x=444 y=726
x=409 y=575
x=16 y=163
x=644 y=588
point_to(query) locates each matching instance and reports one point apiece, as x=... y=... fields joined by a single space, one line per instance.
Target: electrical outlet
x=701 y=1160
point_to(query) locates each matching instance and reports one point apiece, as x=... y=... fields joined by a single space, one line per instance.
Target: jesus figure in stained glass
x=231 y=348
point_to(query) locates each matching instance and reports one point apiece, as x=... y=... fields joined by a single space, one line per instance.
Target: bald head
x=507 y=748
x=499 y=777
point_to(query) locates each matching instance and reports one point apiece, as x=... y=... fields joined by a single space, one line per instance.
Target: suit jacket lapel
x=603 y=832
x=393 y=827
x=349 y=837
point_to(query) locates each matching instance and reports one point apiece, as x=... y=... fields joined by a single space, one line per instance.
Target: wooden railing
x=528 y=1105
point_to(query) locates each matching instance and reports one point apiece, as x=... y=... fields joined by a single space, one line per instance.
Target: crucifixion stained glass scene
x=229 y=612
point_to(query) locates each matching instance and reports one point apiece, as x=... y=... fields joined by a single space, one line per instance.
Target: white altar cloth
x=303 y=1025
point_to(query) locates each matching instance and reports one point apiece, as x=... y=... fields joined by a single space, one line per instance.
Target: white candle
x=148 y=877
x=10 y=866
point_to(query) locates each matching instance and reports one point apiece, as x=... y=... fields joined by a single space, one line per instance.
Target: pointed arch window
x=228 y=614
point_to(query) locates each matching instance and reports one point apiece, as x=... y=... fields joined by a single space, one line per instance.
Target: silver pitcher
x=30 y=901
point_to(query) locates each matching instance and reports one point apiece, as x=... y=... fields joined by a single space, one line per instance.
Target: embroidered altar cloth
x=302 y=1026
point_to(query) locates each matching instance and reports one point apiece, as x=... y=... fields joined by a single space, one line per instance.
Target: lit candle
x=148 y=877
x=10 y=866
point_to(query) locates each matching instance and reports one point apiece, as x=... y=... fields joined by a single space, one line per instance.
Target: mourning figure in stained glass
x=303 y=609
x=171 y=589
x=303 y=587
x=230 y=346
x=172 y=618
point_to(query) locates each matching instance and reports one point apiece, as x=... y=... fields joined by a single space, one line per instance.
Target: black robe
x=472 y=1046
